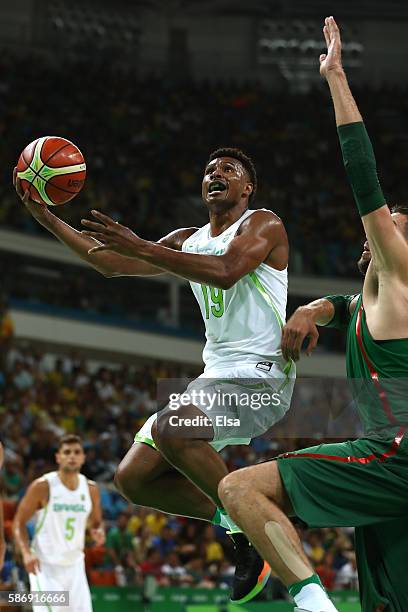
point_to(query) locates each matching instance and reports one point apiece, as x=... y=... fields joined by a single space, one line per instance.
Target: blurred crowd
x=146 y=142
x=43 y=396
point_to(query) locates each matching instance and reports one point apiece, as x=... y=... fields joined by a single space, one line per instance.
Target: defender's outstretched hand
x=332 y=59
x=300 y=326
x=112 y=235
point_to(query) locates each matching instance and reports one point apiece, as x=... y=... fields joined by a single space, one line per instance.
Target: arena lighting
x=81 y=23
x=294 y=46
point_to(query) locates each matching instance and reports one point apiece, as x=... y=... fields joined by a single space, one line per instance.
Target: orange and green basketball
x=53 y=169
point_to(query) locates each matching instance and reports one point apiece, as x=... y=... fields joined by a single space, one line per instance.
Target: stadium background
x=147 y=90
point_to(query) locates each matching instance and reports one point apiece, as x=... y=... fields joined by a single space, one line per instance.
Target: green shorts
x=348 y=484
x=362 y=484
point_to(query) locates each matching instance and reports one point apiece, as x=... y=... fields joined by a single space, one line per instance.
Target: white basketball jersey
x=60 y=526
x=243 y=323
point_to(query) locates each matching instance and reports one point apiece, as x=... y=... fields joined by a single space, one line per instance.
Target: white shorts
x=255 y=396
x=71 y=578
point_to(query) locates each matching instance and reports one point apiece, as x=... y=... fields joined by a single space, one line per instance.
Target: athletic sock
x=221 y=518
x=310 y=595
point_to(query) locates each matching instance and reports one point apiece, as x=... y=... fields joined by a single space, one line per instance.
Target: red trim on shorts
x=374 y=375
x=350 y=459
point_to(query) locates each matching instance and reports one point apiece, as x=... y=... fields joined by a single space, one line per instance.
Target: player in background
x=361 y=483
x=237 y=267
x=65 y=503
x=2 y=540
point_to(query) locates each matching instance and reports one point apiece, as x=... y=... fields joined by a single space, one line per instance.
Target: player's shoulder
x=47 y=477
x=261 y=218
x=176 y=238
x=39 y=487
x=92 y=483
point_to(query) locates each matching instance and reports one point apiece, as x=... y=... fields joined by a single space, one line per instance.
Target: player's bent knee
x=232 y=489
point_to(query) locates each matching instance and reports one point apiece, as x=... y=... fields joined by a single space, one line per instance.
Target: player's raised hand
x=31 y=563
x=38 y=211
x=331 y=60
x=112 y=235
x=300 y=326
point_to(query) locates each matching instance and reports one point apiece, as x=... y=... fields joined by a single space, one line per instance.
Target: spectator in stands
x=13 y=477
x=347 y=576
x=152 y=564
x=174 y=574
x=6 y=331
x=212 y=549
x=119 y=541
x=165 y=542
x=326 y=571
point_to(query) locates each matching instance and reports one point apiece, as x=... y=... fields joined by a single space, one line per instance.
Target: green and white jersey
x=242 y=324
x=60 y=526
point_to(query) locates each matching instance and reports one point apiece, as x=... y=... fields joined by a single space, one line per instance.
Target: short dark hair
x=69 y=439
x=245 y=161
x=400 y=208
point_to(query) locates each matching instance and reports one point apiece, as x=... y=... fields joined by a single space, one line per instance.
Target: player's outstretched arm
x=95 y=522
x=258 y=235
x=109 y=264
x=34 y=499
x=387 y=245
x=331 y=311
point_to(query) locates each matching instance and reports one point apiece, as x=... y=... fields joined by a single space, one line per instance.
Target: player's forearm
x=358 y=155
x=21 y=537
x=211 y=270
x=345 y=106
x=108 y=264
x=321 y=311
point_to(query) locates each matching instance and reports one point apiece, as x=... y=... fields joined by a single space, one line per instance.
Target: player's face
x=401 y=222
x=225 y=182
x=70 y=457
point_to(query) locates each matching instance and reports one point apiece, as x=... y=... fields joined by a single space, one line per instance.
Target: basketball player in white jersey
x=65 y=503
x=237 y=267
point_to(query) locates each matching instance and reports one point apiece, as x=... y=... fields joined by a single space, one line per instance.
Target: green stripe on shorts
x=144 y=440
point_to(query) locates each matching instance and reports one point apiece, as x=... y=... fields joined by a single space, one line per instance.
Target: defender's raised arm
x=388 y=247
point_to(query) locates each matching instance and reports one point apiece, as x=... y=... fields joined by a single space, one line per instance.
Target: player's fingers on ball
x=14 y=175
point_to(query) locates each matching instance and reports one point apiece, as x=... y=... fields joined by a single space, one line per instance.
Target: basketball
x=53 y=169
